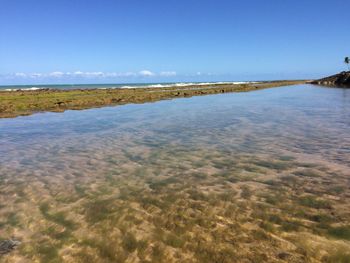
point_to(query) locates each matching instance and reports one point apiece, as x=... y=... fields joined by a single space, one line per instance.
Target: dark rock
x=340 y=79
x=60 y=103
x=283 y=255
x=8 y=245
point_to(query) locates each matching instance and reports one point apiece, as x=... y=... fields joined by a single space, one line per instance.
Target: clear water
x=124 y=152
x=299 y=119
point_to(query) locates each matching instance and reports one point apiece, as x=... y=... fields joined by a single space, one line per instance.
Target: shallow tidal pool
x=259 y=176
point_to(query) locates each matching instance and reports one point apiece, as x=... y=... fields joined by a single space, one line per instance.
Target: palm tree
x=347 y=61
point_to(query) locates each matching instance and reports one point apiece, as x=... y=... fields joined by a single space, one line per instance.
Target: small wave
x=32 y=88
x=184 y=84
x=211 y=83
x=156 y=86
x=129 y=87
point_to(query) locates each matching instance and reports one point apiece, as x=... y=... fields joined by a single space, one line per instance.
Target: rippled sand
x=254 y=177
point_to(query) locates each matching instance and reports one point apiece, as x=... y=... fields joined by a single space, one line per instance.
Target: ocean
x=111 y=86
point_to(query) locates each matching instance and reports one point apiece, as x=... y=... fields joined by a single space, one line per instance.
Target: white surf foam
x=15 y=89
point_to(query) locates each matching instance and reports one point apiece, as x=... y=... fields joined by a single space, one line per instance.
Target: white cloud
x=86 y=74
x=22 y=75
x=94 y=74
x=146 y=73
x=168 y=73
x=56 y=74
x=35 y=75
x=78 y=73
x=91 y=74
x=120 y=74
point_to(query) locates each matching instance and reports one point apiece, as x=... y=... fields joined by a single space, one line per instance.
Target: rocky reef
x=340 y=79
x=26 y=102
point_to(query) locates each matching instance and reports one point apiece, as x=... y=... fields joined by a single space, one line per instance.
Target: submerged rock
x=8 y=245
x=340 y=79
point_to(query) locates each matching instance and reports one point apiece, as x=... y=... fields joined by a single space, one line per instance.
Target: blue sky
x=111 y=41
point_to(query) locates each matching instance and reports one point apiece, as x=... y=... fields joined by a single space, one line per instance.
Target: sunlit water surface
x=295 y=120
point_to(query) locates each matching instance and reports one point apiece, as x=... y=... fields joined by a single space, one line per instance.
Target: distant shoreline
x=119 y=85
x=26 y=102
